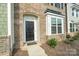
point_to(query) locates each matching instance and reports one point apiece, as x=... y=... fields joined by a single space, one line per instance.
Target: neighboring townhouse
x=38 y=22
x=72 y=18
x=4 y=38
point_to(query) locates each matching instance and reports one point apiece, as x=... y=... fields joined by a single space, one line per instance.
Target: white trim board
x=48 y=24
x=35 y=20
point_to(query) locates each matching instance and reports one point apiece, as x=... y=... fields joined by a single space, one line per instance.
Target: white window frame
x=75 y=12
x=35 y=20
x=77 y=15
x=73 y=27
x=48 y=24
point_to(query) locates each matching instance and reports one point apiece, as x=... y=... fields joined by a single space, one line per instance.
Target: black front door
x=29 y=30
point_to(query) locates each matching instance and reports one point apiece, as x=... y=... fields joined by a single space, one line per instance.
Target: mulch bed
x=19 y=52
x=61 y=49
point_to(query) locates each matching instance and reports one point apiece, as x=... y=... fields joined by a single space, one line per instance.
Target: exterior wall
x=3 y=21
x=70 y=17
x=4 y=39
x=69 y=12
x=38 y=10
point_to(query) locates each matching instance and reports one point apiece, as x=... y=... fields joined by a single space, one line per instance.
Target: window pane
x=73 y=27
x=53 y=29
x=70 y=27
x=73 y=11
x=53 y=21
x=57 y=5
x=71 y=30
x=53 y=25
x=76 y=13
x=59 y=29
x=62 y=5
x=76 y=28
x=59 y=22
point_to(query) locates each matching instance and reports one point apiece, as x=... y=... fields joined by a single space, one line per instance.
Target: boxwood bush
x=70 y=39
x=52 y=42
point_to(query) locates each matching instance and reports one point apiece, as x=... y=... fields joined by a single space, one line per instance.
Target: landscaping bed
x=61 y=49
x=68 y=47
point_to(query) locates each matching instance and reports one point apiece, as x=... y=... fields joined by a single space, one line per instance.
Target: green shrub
x=76 y=37
x=68 y=39
x=68 y=36
x=52 y=42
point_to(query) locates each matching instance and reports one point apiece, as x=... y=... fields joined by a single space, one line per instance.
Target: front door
x=29 y=30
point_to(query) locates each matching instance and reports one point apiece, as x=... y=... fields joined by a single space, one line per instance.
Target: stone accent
x=4 y=45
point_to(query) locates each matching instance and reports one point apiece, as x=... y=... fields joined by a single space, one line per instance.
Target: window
x=76 y=13
x=62 y=5
x=73 y=11
x=59 y=5
x=56 y=25
x=59 y=23
x=53 y=25
x=73 y=27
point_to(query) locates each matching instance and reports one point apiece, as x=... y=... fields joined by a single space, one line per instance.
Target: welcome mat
x=31 y=43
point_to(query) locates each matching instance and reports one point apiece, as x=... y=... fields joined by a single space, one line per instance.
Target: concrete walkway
x=35 y=50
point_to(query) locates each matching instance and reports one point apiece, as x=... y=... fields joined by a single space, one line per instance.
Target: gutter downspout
x=66 y=24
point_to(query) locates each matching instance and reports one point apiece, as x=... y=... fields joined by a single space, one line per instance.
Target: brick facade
x=38 y=10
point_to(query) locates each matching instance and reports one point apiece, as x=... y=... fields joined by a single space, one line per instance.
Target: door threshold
x=31 y=42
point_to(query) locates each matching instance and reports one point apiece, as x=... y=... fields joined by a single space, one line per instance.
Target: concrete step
x=35 y=50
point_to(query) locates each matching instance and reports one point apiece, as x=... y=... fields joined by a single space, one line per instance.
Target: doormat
x=31 y=43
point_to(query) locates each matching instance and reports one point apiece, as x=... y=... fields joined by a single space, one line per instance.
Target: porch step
x=35 y=50
x=31 y=43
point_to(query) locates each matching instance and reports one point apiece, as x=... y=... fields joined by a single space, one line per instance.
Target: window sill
x=58 y=34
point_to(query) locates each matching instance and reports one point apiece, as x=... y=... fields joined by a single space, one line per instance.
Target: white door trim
x=28 y=18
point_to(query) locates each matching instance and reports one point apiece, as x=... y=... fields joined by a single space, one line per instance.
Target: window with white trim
x=75 y=12
x=73 y=27
x=53 y=25
x=59 y=5
x=56 y=25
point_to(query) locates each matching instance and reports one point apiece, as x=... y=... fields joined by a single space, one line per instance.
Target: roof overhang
x=74 y=5
x=54 y=13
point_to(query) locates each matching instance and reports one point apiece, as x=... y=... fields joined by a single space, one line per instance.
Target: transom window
x=56 y=25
